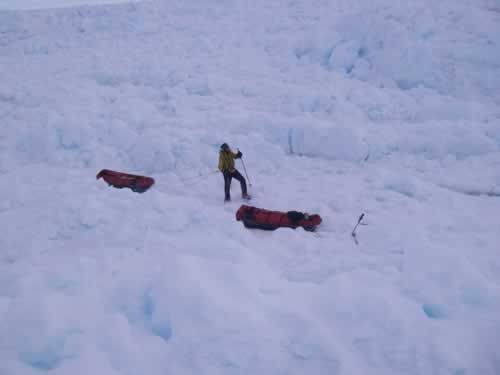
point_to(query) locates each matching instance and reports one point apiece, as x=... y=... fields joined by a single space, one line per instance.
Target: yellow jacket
x=226 y=161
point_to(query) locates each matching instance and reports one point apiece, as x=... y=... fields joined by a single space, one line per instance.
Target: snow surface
x=49 y=4
x=383 y=107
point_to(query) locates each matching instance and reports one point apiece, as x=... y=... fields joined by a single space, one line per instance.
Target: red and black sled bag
x=259 y=218
x=120 y=180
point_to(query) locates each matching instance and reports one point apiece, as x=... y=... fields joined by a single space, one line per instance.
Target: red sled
x=120 y=180
x=260 y=218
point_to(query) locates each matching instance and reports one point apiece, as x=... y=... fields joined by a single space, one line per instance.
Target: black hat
x=224 y=146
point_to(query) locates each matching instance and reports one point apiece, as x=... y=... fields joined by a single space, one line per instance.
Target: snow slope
x=392 y=109
x=51 y=4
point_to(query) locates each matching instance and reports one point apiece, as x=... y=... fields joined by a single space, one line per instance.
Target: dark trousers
x=227 y=182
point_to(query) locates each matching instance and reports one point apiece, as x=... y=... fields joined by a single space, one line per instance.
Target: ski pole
x=246 y=174
x=353 y=233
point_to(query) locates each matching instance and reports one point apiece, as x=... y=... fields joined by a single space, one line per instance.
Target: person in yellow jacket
x=226 y=166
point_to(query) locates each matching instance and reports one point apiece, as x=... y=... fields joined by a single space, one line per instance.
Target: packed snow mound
x=411 y=45
x=339 y=108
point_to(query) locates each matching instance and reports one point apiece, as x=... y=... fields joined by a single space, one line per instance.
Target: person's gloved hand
x=239 y=155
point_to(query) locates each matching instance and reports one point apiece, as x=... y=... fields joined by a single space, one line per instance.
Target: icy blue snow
x=339 y=107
